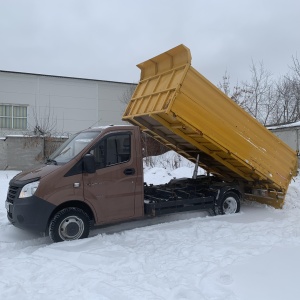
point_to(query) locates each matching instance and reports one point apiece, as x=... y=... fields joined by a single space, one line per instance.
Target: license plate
x=7 y=206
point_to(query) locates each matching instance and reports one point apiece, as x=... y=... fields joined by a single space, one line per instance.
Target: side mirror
x=89 y=163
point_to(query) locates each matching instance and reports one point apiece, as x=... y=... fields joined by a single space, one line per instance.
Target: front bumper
x=30 y=213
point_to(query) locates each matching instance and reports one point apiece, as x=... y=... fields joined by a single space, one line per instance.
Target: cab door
x=111 y=189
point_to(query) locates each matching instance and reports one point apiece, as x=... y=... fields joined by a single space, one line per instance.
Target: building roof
x=66 y=77
x=288 y=125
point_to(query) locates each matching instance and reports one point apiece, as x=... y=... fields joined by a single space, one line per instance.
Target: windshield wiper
x=50 y=161
x=65 y=151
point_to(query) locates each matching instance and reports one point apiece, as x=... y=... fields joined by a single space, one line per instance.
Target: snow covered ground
x=251 y=255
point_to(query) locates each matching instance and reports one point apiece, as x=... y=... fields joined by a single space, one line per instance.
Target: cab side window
x=112 y=150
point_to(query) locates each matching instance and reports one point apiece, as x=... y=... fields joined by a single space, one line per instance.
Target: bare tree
x=260 y=100
x=288 y=96
x=269 y=101
x=225 y=84
x=42 y=130
x=296 y=86
x=128 y=94
x=237 y=93
x=296 y=66
x=44 y=121
x=256 y=96
x=282 y=113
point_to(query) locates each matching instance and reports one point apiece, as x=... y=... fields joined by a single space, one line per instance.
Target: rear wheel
x=230 y=204
x=69 y=224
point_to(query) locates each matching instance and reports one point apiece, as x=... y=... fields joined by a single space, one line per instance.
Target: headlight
x=29 y=189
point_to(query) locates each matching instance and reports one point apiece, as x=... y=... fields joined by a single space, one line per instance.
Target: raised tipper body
x=183 y=110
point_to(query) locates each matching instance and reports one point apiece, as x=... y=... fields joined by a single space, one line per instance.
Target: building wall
x=291 y=136
x=62 y=104
x=111 y=107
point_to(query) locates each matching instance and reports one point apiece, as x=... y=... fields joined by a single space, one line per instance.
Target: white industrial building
x=62 y=105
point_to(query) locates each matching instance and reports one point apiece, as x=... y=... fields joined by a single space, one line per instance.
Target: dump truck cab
x=98 y=173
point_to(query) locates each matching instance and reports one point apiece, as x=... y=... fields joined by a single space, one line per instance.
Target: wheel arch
x=228 y=189
x=72 y=203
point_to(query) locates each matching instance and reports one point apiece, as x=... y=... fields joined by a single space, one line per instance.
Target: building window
x=13 y=116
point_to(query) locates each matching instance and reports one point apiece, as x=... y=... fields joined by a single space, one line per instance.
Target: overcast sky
x=106 y=39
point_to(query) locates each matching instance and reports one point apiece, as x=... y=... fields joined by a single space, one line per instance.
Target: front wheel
x=69 y=224
x=230 y=204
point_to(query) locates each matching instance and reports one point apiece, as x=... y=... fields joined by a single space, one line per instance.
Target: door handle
x=129 y=171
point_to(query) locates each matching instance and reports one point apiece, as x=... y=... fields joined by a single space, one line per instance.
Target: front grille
x=13 y=192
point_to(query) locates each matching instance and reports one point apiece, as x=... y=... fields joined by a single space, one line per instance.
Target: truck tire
x=230 y=204
x=69 y=224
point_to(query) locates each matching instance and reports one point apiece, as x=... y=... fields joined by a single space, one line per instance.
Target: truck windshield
x=71 y=147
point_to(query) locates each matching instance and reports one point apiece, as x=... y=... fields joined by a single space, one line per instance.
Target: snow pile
x=293 y=195
x=162 y=168
x=169 y=160
x=246 y=256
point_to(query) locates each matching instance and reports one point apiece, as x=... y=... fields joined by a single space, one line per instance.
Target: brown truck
x=96 y=177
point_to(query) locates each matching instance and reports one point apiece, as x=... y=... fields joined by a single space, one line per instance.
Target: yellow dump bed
x=183 y=110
